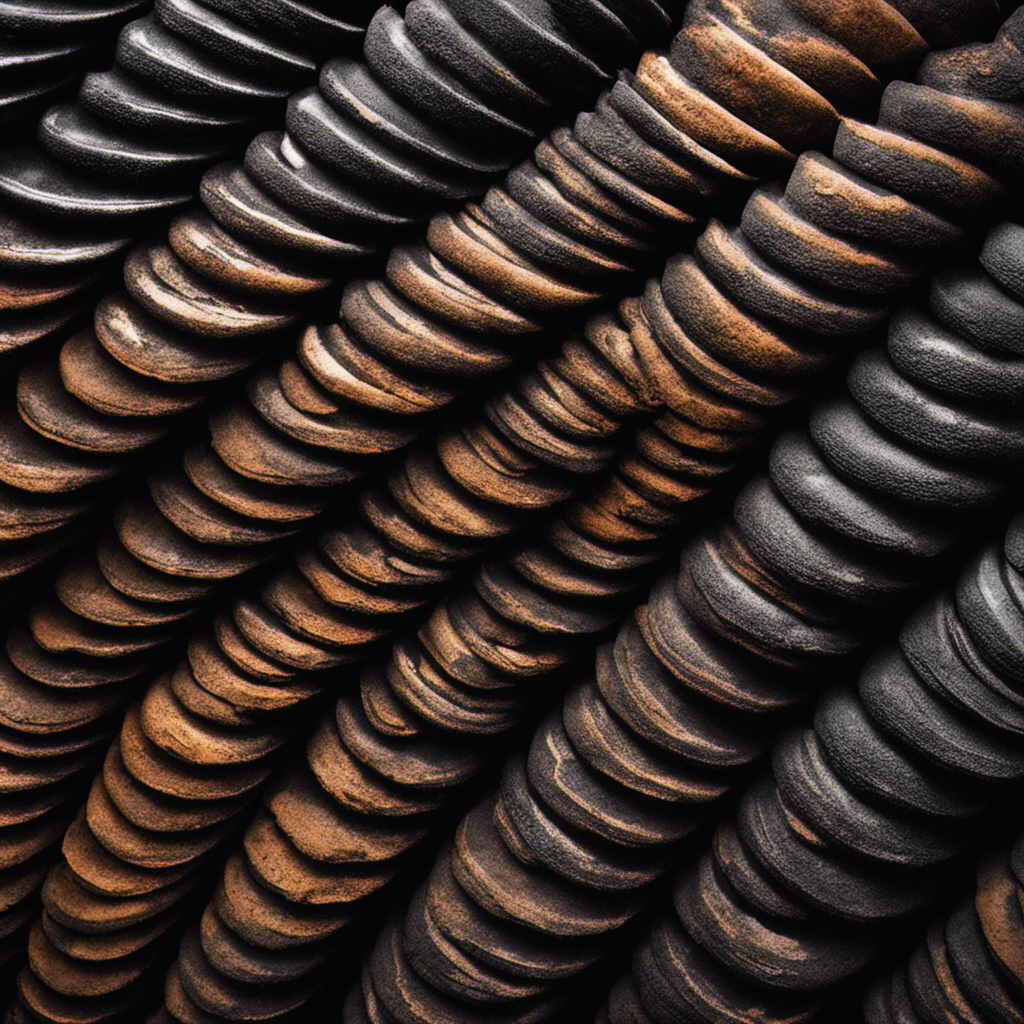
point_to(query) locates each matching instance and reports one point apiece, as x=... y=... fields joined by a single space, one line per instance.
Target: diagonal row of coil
x=968 y=967
x=356 y=388
x=855 y=509
x=37 y=659
x=189 y=83
x=661 y=151
x=46 y=47
x=190 y=754
x=155 y=351
x=856 y=827
x=606 y=31
x=422 y=726
x=448 y=94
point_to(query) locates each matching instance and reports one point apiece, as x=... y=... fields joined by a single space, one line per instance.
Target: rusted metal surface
x=596 y=203
x=542 y=873
x=856 y=827
x=189 y=84
x=437 y=108
x=841 y=532
x=333 y=831
x=969 y=966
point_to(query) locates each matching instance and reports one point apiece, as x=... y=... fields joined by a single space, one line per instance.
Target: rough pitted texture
x=353 y=390
x=665 y=147
x=189 y=83
x=421 y=727
x=969 y=966
x=845 y=526
x=374 y=149
x=45 y=45
x=465 y=675
x=447 y=95
x=856 y=826
x=626 y=427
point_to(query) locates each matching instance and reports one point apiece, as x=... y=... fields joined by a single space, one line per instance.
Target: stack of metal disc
x=507 y=512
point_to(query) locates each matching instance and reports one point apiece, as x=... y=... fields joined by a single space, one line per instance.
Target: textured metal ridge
x=46 y=46
x=437 y=507
x=857 y=826
x=189 y=84
x=363 y=160
x=361 y=676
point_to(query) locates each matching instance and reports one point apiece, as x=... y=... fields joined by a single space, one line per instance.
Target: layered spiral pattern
x=845 y=526
x=435 y=510
x=447 y=95
x=189 y=83
x=969 y=965
x=46 y=46
x=594 y=204
x=855 y=828
x=421 y=727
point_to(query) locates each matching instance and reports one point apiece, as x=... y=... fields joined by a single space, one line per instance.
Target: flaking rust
x=316 y=849
x=445 y=99
x=625 y=427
